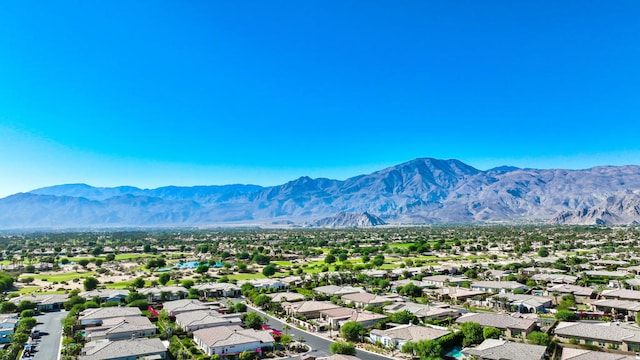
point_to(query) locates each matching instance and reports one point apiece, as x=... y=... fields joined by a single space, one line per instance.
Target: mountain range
x=421 y=191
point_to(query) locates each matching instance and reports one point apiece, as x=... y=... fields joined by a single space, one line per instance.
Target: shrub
x=27 y=313
x=342 y=348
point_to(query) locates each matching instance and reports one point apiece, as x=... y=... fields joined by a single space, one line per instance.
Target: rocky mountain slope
x=420 y=191
x=344 y=219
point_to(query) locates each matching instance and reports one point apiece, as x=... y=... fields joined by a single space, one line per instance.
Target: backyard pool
x=455 y=353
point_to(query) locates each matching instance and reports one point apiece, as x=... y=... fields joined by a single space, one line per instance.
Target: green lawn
x=246 y=276
x=124 y=284
x=34 y=290
x=28 y=289
x=282 y=263
x=134 y=256
x=62 y=277
x=401 y=245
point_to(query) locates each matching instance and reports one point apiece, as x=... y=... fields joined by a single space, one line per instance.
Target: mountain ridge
x=420 y=191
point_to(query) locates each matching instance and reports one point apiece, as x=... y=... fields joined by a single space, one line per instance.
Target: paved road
x=50 y=325
x=319 y=345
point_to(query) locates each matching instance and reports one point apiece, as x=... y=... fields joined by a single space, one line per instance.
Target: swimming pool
x=456 y=352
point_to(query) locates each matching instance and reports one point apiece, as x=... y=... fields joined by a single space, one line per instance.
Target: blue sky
x=153 y=93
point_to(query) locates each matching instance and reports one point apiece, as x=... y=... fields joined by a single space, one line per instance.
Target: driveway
x=50 y=326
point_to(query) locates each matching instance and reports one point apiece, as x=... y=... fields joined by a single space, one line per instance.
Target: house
x=92 y=317
x=164 y=293
x=225 y=340
x=307 y=309
x=45 y=302
x=395 y=285
x=176 y=307
x=582 y=354
x=292 y=281
x=617 y=307
x=422 y=311
x=512 y=326
x=217 y=290
x=497 y=274
x=521 y=303
x=337 y=317
x=580 y=293
x=411 y=271
x=621 y=294
x=633 y=283
x=456 y=294
x=7 y=327
x=498 y=286
x=443 y=280
x=269 y=284
x=106 y=295
x=606 y=274
x=555 y=278
x=494 y=349
x=200 y=319
x=119 y=328
x=398 y=336
x=605 y=335
x=124 y=349
x=333 y=290
x=286 y=296
x=365 y=299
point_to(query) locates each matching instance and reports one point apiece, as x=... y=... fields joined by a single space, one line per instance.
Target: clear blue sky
x=152 y=93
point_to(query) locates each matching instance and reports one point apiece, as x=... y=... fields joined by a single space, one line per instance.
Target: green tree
x=164 y=278
x=247 y=355
x=138 y=283
x=330 y=259
x=428 y=350
x=90 y=283
x=27 y=313
x=252 y=320
x=261 y=300
x=403 y=317
x=568 y=301
x=342 y=348
x=491 y=332
x=83 y=262
x=566 y=315
x=411 y=290
x=472 y=332
x=202 y=268
x=73 y=301
x=378 y=260
x=539 y=338
x=7 y=307
x=269 y=270
x=27 y=305
x=239 y=307
x=142 y=304
x=543 y=252
x=352 y=331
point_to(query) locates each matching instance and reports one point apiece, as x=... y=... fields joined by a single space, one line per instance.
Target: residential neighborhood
x=399 y=303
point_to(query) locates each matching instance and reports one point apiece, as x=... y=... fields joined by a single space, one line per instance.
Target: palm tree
x=286 y=327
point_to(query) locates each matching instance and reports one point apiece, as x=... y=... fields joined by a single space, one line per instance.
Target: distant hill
x=347 y=220
x=421 y=191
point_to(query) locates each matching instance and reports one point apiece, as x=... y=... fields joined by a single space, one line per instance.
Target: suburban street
x=50 y=326
x=319 y=344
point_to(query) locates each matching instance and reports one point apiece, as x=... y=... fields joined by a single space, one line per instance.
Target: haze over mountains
x=421 y=191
